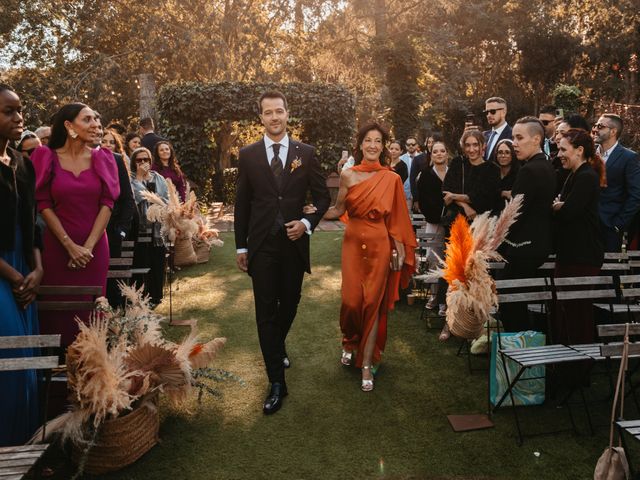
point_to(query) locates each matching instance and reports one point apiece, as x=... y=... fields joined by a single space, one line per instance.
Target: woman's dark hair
x=577 y=121
x=116 y=136
x=581 y=138
x=58 y=131
x=133 y=167
x=397 y=142
x=362 y=133
x=515 y=164
x=130 y=136
x=173 y=161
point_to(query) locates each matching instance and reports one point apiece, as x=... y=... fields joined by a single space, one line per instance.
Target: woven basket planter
x=466 y=324
x=184 y=253
x=121 y=441
x=202 y=250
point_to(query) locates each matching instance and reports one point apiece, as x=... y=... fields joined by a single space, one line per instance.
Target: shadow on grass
x=328 y=428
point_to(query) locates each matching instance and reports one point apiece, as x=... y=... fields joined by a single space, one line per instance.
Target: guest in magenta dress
x=76 y=187
x=166 y=164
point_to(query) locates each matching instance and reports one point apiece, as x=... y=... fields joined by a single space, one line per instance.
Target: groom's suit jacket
x=259 y=198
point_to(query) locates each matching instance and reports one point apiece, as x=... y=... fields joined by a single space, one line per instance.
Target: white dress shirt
x=605 y=155
x=495 y=137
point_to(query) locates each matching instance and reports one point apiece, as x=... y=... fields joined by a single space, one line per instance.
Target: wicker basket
x=465 y=324
x=202 y=250
x=122 y=441
x=184 y=253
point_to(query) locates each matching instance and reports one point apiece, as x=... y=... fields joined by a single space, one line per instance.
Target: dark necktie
x=276 y=163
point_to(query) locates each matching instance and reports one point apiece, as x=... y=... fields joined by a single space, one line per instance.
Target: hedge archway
x=207 y=121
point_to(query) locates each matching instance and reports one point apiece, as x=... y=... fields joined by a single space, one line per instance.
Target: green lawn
x=328 y=428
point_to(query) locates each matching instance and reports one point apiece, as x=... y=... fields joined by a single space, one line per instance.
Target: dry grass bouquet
x=472 y=294
x=183 y=225
x=117 y=367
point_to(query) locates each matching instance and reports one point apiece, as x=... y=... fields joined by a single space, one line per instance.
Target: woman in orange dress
x=377 y=249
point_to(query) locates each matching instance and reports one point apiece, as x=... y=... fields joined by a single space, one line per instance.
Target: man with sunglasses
x=28 y=143
x=495 y=109
x=412 y=152
x=620 y=199
x=547 y=116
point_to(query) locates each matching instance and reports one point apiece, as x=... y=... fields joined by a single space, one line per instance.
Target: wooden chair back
x=29 y=363
x=564 y=290
x=45 y=303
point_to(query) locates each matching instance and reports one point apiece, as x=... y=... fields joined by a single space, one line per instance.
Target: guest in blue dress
x=20 y=274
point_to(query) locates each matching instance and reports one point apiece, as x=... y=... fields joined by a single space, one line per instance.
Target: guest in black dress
x=431 y=202
x=469 y=188
x=397 y=165
x=505 y=157
x=579 y=247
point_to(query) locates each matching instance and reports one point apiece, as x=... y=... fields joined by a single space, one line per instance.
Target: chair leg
x=626 y=451
x=586 y=409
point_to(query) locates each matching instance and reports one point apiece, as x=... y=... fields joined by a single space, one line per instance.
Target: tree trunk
x=147 y=95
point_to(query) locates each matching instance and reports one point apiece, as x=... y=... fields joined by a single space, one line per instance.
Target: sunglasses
x=29 y=151
x=492 y=111
x=600 y=126
x=546 y=122
x=143 y=160
x=411 y=144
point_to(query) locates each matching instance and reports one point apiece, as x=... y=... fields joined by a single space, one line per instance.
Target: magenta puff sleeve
x=105 y=166
x=42 y=159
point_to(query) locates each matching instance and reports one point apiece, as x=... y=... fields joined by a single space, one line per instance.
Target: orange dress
x=376 y=214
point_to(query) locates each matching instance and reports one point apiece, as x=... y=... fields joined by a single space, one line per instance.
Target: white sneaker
x=442 y=311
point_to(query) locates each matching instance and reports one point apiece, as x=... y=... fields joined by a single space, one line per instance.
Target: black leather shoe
x=273 y=401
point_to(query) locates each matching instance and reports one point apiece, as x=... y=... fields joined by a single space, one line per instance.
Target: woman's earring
x=73 y=133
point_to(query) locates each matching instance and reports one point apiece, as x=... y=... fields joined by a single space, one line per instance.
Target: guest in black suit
x=620 y=200
x=272 y=232
x=495 y=108
x=530 y=241
x=149 y=137
x=547 y=116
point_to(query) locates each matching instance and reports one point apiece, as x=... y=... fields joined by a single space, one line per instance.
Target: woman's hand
x=449 y=197
x=557 y=205
x=506 y=194
x=27 y=292
x=309 y=209
x=401 y=252
x=469 y=212
x=79 y=256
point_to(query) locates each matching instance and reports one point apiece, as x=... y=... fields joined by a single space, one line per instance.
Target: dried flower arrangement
x=472 y=295
x=178 y=219
x=119 y=362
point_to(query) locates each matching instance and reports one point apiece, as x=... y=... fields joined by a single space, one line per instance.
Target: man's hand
x=242 y=261
x=449 y=197
x=295 y=229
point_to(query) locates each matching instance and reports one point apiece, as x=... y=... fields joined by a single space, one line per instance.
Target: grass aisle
x=328 y=428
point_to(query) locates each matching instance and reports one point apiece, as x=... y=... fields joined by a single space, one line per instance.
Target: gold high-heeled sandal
x=367 y=385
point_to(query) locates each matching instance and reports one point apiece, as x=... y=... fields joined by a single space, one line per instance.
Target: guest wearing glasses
x=412 y=153
x=547 y=117
x=495 y=108
x=28 y=143
x=504 y=156
x=620 y=199
x=150 y=255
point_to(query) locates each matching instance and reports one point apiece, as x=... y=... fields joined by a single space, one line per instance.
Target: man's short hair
x=272 y=94
x=617 y=122
x=146 y=123
x=499 y=100
x=533 y=126
x=549 y=109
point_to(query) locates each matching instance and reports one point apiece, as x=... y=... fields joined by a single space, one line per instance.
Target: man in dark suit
x=272 y=233
x=547 y=116
x=149 y=138
x=620 y=199
x=530 y=239
x=495 y=108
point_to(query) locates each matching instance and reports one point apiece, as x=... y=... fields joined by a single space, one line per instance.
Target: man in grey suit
x=620 y=199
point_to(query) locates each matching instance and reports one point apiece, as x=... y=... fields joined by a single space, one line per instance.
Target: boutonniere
x=297 y=162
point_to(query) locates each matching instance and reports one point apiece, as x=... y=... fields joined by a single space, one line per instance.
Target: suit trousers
x=612 y=239
x=276 y=272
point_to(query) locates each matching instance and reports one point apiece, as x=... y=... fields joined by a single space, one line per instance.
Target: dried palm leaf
x=506 y=219
x=458 y=251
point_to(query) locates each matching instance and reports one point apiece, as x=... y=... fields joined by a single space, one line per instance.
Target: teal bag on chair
x=530 y=387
